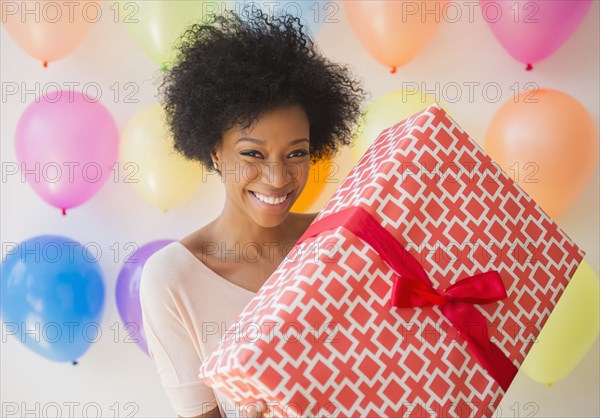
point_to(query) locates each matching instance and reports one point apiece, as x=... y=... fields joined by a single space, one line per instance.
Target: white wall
x=113 y=372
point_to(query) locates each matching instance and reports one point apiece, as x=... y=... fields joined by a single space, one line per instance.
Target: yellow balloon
x=569 y=332
x=320 y=173
x=385 y=111
x=155 y=25
x=159 y=174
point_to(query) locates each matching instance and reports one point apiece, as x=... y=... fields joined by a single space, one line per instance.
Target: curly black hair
x=229 y=70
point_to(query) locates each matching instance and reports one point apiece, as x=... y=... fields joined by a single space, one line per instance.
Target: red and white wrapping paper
x=435 y=323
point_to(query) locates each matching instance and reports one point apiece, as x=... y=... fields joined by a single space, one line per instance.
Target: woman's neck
x=233 y=229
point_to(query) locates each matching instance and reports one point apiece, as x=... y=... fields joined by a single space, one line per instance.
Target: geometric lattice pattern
x=320 y=339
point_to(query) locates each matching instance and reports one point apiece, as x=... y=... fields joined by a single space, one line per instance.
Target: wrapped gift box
x=417 y=291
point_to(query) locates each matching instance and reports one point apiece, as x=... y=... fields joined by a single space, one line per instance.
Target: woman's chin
x=272 y=220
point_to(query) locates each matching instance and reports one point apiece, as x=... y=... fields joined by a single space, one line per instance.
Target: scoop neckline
x=211 y=271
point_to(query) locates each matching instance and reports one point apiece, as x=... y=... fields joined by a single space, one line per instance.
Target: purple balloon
x=531 y=30
x=128 y=291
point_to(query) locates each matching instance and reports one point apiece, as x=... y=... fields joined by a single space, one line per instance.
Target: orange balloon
x=546 y=141
x=320 y=174
x=49 y=30
x=394 y=32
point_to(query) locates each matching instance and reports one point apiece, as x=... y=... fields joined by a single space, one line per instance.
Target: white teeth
x=270 y=200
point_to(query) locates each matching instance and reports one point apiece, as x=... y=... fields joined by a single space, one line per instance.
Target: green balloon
x=156 y=25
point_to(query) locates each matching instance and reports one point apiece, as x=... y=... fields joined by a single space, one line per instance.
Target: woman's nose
x=276 y=173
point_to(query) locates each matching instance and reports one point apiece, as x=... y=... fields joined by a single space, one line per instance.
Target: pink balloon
x=67 y=146
x=531 y=30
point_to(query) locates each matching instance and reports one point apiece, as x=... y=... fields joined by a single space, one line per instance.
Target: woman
x=252 y=100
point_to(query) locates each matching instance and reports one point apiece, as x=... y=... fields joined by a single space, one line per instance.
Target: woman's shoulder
x=311 y=216
x=166 y=257
x=305 y=219
x=165 y=267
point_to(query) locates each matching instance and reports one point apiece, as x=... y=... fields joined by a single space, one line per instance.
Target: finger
x=251 y=412
x=256 y=410
x=263 y=407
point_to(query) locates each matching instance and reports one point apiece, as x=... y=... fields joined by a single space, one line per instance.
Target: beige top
x=186 y=308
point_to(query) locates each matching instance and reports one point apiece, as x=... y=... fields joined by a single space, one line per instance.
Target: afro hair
x=229 y=70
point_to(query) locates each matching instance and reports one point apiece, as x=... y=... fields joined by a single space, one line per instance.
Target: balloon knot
x=165 y=210
x=529 y=67
x=45 y=64
x=393 y=70
x=549 y=385
x=64 y=211
x=74 y=362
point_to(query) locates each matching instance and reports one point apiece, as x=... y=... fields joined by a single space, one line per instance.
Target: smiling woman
x=252 y=99
x=263 y=177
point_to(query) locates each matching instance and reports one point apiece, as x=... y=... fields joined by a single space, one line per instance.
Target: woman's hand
x=256 y=410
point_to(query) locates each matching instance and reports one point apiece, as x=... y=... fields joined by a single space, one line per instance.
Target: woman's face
x=265 y=168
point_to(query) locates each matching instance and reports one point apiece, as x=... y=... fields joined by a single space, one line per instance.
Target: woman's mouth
x=272 y=203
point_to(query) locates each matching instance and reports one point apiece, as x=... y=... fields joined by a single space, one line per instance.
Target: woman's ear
x=216 y=159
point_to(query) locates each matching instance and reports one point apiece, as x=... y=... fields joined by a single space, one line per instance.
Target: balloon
x=128 y=291
x=156 y=25
x=67 y=145
x=531 y=30
x=394 y=32
x=385 y=111
x=312 y=14
x=569 y=332
x=161 y=176
x=321 y=172
x=49 y=30
x=547 y=142
x=53 y=286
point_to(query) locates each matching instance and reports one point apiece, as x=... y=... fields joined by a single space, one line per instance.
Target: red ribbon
x=413 y=288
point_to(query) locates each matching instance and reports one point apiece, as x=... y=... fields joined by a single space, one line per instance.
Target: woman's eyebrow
x=259 y=142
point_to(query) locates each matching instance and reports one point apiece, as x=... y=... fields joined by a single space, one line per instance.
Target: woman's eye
x=300 y=153
x=251 y=153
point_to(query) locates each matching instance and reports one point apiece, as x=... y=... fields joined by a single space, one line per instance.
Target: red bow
x=413 y=288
